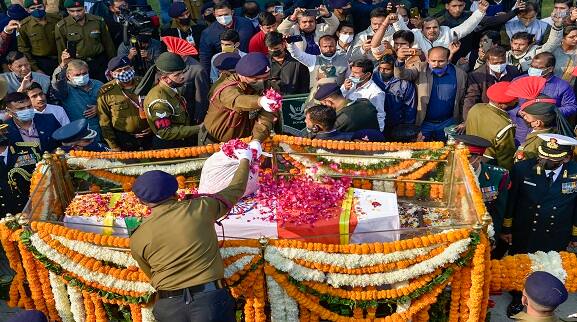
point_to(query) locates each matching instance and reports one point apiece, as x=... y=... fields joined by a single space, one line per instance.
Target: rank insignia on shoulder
x=161 y=114
x=162 y=123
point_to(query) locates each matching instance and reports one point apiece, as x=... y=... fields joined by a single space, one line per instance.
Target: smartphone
x=313 y=12
x=278 y=9
x=414 y=13
x=71 y=48
x=295 y=38
x=455 y=37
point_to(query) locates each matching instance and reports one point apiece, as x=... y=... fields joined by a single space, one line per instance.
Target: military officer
x=77 y=136
x=177 y=248
x=236 y=107
x=542 y=294
x=36 y=37
x=17 y=162
x=541 y=210
x=122 y=119
x=491 y=122
x=165 y=108
x=494 y=183
x=543 y=117
x=85 y=37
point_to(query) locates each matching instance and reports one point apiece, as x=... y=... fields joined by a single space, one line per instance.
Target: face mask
x=224 y=20
x=143 y=39
x=532 y=71
x=228 y=49
x=125 y=76
x=250 y=14
x=80 y=80
x=210 y=18
x=184 y=21
x=355 y=80
x=439 y=71
x=347 y=39
x=328 y=56
x=258 y=86
x=38 y=13
x=346 y=11
x=174 y=85
x=499 y=68
x=25 y=115
x=549 y=164
x=276 y=53
x=386 y=76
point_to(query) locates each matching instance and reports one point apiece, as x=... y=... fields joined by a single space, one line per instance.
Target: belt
x=206 y=287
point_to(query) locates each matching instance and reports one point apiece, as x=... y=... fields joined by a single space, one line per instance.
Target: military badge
x=489 y=193
x=569 y=187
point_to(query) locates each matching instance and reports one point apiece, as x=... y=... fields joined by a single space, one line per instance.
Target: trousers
x=211 y=306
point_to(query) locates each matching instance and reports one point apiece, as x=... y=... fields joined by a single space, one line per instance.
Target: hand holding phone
x=71 y=48
x=312 y=12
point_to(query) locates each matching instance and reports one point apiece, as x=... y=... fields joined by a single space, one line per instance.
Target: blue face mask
x=25 y=115
x=439 y=71
x=355 y=80
x=38 y=13
x=532 y=71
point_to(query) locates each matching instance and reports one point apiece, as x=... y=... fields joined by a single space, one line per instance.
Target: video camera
x=136 y=19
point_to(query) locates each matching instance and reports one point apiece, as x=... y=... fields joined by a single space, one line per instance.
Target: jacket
x=541 y=218
x=292 y=28
x=400 y=101
x=478 y=82
x=210 y=39
x=196 y=85
x=45 y=125
x=422 y=76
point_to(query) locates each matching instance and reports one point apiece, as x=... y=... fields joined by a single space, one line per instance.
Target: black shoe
x=514 y=309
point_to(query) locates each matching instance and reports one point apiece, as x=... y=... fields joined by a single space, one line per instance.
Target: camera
x=136 y=19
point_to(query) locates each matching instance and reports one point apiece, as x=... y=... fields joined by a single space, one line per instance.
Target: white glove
x=243 y=154
x=255 y=145
x=266 y=103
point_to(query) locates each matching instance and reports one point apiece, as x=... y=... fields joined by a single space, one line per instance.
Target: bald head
x=438 y=57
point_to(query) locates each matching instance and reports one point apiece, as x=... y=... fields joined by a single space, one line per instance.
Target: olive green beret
x=73 y=3
x=28 y=3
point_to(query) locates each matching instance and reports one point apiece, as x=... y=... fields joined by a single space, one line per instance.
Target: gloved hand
x=243 y=154
x=266 y=103
x=255 y=145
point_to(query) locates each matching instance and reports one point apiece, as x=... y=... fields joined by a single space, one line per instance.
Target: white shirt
x=556 y=171
x=58 y=112
x=373 y=93
x=4 y=156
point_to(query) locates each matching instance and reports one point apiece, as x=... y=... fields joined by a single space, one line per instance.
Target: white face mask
x=80 y=80
x=224 y=20
x=499 y=68
x=347 y=39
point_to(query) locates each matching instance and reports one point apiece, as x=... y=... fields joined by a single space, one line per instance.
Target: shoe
x=514 y=309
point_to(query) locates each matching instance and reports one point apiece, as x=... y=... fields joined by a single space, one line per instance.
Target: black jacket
x=45 y=125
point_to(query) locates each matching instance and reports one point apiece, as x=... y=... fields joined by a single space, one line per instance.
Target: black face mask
x=549 y=164
x=184 y=21
x=143 y=39
x=276 y=53
x=251 y=13
x=210 y=18
x=386 y=76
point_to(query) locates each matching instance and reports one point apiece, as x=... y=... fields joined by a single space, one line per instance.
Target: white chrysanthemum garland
x=91 y=276
x=146 y=312
x=282 y=306
x=450 y=254
x=403 y=154
x=135 y=169
x=549 y=262
x=237 y=265
x=61 y=302
x=226 y=252
x=76 y=303
x=117 y=257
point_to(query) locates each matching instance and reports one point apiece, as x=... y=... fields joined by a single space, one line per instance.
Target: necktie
x=550 y=179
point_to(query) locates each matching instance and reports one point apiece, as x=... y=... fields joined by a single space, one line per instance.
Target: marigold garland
x=465 y=286
x=358 y=146
x=32 y=276
x=136 y=313
x=476 y=293
x=47 y=291
x=18 y=296
x=99 y=312
x=455 y=295
x=73 y=234
x=89 y=307
x=476 y=194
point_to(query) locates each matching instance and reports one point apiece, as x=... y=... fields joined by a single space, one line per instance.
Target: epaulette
x=60 y=23
x=27 y=144
x=106 y=87
x=25 y=21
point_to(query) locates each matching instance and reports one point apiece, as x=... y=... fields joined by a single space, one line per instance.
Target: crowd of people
x=498 y=75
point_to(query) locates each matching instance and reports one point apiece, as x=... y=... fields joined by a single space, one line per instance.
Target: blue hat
x=155 y=186
x=176 y=9
x=74 y=131
x=338 y=4
x=226 y=61
x=17 y=12
x=29 y=316
x=545 y=289
x=252 y=64
x=325 y=90
x=118 y=62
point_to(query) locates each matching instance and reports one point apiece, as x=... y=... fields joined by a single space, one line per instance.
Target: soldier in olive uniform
x=165 y=108
x=491 y=122
x=122 y=119
x=494 y=183
x=36 y=37
x=86 y=34
x=541 y=210
x=17 y=162
x=236 y=108
x=543 y=117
